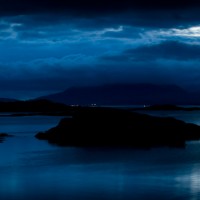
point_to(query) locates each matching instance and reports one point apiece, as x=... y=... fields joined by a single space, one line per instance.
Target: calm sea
x=31 y=169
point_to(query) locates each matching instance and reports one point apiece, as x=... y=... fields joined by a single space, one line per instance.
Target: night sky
x=47 y=46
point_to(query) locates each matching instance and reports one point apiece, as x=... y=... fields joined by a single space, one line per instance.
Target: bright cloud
x=189 y=32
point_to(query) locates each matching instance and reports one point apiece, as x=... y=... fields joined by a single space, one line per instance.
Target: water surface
x=33 y=169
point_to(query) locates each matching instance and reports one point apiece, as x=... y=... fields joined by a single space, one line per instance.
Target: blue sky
x=49 y=46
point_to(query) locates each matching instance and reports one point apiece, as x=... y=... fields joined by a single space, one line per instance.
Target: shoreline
x=123 y=107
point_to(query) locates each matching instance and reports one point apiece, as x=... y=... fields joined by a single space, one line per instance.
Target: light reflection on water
x=33 y=169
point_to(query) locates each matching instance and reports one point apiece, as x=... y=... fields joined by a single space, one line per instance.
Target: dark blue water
x=33 y=169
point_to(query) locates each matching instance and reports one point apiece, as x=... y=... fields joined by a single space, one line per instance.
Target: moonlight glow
x=189 y=32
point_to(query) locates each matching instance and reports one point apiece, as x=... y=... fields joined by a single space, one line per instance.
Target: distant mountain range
x=125 y=94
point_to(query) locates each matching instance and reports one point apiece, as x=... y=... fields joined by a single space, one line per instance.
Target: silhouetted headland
x=106 y=127
x=35 y=107
x=3 y=136
x=167 y=107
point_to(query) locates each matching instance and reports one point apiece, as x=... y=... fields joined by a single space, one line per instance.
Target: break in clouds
x=49 y=46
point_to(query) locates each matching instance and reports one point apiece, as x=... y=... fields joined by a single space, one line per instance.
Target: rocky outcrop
x=104 y=127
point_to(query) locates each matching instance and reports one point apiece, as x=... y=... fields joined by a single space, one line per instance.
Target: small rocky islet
x=3 y=136
x=108 y=127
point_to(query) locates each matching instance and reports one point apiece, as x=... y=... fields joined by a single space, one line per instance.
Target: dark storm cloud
x=138 y=12
x=49 y=76
x=51 y=45
x=169 y=50
x=43 y=76
x=91 y=6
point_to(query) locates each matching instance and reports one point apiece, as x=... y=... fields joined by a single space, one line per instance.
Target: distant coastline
x=100 y=125
x=50 y=108
x=168 y=107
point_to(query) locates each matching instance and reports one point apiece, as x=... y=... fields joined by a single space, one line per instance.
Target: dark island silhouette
x=107 y=127
x=3 y=136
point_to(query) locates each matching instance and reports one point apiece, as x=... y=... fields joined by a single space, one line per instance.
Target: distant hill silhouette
x=45 y=106
x=125 y=94
x=8 y=100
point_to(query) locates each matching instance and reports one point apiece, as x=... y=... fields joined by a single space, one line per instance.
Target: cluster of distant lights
x=92 y=105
